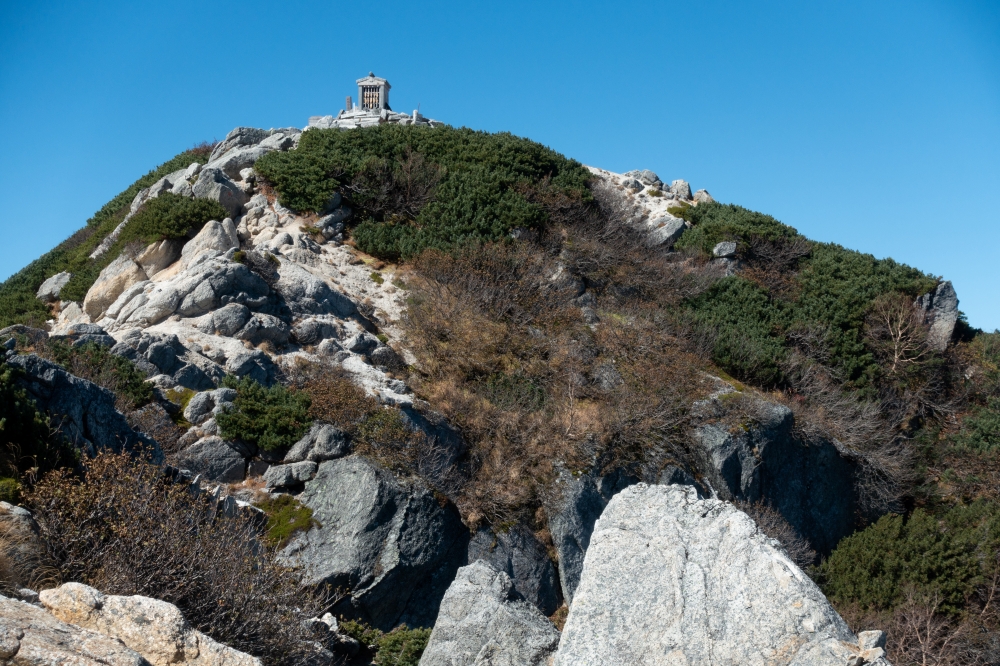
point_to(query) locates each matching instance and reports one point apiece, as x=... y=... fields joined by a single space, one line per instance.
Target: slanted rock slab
x=673 y=579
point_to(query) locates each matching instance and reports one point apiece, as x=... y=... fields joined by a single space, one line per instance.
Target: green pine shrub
x=18 y=304
x=271 y=418
x=715 y=222
x=400 y=647
x=418 y=188
x=943 y=558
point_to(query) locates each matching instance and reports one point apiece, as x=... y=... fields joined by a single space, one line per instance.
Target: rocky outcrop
x=214 y=184
x=214 y=459
x=83 y=412
x=483 y=621
x=323 y=442
x=695 y=582
x=159 y=255
x=155 y=629
x=940 y=312
x=215 y=236
x=517 y=553
x=49 y=290
x=389 y=541
x=29 y=636
x=116 y=277
x=809 y=483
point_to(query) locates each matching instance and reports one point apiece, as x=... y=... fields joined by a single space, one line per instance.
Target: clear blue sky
x=875 y=125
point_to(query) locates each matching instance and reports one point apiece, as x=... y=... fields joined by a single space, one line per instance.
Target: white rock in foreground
x=670 y=579
x=153 y=628
x=483 y=622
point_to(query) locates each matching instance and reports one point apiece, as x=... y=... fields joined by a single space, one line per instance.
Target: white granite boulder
x=673 y=579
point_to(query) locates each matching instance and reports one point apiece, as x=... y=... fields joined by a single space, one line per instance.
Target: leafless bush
x=896 y=333
x=773 y=524
x=154 y=421
x=125 y=530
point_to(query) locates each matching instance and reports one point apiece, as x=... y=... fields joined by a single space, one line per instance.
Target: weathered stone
x=517 y=553
x=49 y=290
x=484 y=622
x=312 y=331
x=361 y=343
x=304 y=293
x=214 y=459
x=83 y=412
x=387 y=540
x=264 y=328
x=702 y=196
x=681 y=189
x=214 y=184
x=724 y=250
x=695 y=582
x=665 y=230
x=645 y=176
x=940 y=311
x=322 y=442
x=387 y=358
x=204 y=405
x=289 y=476
x=810 y=484
x=215 y=236
x=30 y=636
x=159 y=255
x=227 y=320
x=116 y=277
x=155 y=629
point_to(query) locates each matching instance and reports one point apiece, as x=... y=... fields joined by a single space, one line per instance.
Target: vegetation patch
x=419 y=188
x=286 y=516
x=271 y=418
x=400 y=647
x=27 y=442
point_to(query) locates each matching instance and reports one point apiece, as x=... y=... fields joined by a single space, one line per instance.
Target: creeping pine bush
x=827 y=288
x=125 y=529
x=18 y=304
x=422 y=187
x=400 y=647
x=934 y=557
x=271 y=417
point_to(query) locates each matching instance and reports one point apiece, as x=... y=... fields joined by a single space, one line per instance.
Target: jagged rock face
x=83 y=411
x=517 y=553
x=155 y=629
x=387 y=540
x=116 y=277
x=484 y=622
x=695 y=583
x=572 y=516
x=940 y=311
x=49 y=290
x=810 y=484
x=29 y=636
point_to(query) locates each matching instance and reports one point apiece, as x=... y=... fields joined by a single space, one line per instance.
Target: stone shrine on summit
x=372 y=109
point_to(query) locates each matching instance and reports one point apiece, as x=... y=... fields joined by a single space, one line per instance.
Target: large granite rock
x=213 y=459
x=484 y=622
x=215 y=236
x=159 y=255
x=83 y=412
x=29 y=636
x=673 y=579
x=323 y=442
x=116 y=277
x=155 y=629
x=517 y=553
x=810 y=484
x=214 y=184
x=305 y=294
x=389 y=541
